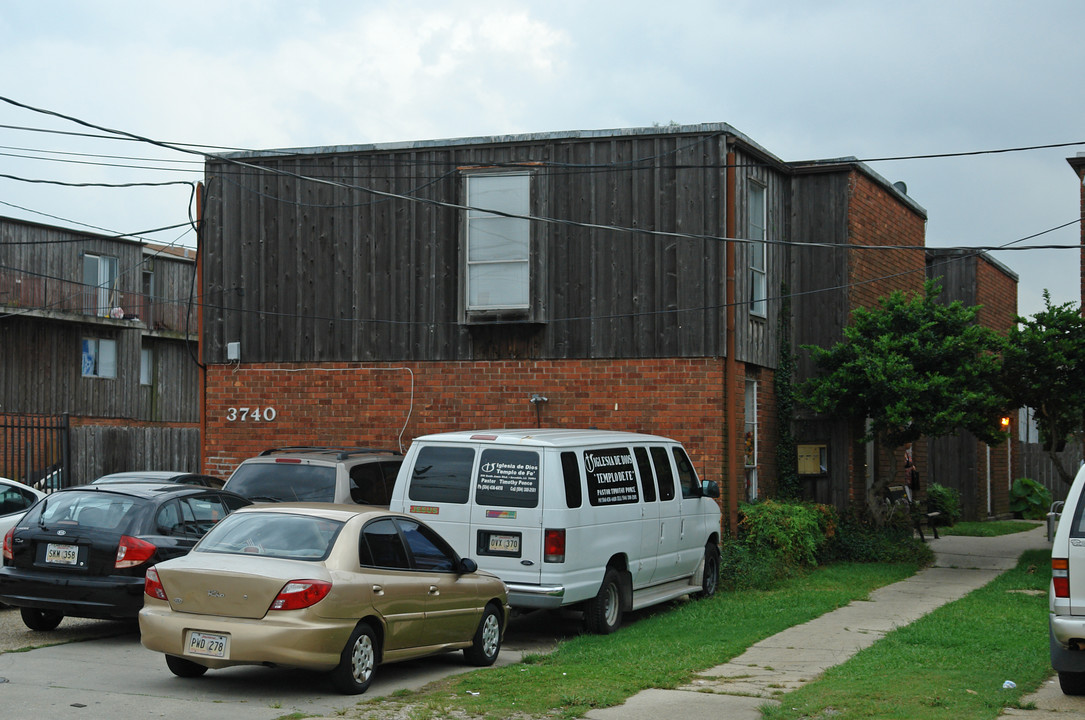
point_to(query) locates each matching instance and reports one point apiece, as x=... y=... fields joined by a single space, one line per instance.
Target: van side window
x=570 y=472
x=611 y=478
x=509 y=478
x=442 y=474
x=647 y=477
x=687 y=476
x=664 y=476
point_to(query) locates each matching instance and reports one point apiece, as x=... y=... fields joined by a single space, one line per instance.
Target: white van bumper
x=546 y=597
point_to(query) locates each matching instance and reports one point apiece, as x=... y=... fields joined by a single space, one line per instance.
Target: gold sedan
x=341 y=588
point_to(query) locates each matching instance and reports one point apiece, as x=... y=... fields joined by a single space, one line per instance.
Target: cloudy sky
x=806 y=80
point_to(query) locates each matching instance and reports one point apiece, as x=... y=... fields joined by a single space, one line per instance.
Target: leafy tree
x=914 y=368
x=1042 y=369
x=788 y=485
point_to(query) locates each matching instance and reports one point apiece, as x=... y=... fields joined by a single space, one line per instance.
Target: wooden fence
x=1035 y=464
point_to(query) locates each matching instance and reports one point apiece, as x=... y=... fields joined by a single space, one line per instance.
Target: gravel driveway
x=14 y=635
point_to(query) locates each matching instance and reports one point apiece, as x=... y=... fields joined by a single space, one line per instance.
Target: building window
x=147 y=312
x=751 y=439
x=756 y=231
x=100 y=285
x=146 y=366
x=498 y=248
x=99 y=358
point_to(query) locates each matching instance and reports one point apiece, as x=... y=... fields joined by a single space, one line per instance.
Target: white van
x=606 y=521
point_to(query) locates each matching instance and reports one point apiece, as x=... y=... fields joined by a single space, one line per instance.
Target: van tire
x=603 y=613
x=1072 y=683
x=710 y=580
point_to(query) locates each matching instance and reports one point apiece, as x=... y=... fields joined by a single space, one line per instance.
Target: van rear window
x=442 y=474
x=509 y=478
x=611 y=477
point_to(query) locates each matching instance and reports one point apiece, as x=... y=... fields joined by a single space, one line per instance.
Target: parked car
x=336 y=588
x=318 y=474
x=83 y=551
x=166 y=476
x=594 y=520
x=15 y=499
x=1067 y=592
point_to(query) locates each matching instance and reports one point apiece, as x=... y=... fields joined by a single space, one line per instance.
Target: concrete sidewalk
x=788 y=660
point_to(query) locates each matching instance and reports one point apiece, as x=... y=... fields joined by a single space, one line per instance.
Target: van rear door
x=438 y=491
x=506 y=516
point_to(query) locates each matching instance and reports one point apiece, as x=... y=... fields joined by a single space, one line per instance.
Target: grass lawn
x=660 y=648
x=949 y=664
x=989 y=528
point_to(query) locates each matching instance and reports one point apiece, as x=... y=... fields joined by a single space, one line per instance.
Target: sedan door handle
x=434 y=590
x=378 y=589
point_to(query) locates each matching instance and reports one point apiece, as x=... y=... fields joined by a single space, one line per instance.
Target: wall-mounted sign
x=813 y=460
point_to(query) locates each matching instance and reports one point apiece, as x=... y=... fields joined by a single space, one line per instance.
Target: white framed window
x=100 y=284
x=498 y=248
x=757 y=232
x=146 y=366
x=750 y=436
x=99 y=358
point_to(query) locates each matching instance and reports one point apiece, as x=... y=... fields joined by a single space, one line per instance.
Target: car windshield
x=284 y=482
x=100 y=511
x=272 y=534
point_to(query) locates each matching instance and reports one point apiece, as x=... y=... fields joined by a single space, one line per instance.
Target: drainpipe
x=731 y=426
x=201 y=366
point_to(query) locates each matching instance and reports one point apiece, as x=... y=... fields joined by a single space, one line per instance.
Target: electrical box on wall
x=233 y=351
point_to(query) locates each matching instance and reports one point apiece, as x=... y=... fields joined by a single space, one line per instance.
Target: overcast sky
x=805 y=80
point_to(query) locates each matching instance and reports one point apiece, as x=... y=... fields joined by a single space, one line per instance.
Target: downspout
x=202 y=364
x=731 y=425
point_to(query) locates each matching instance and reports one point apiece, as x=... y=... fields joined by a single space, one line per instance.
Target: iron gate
x=35 y=450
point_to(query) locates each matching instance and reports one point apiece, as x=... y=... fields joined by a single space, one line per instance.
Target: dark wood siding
x=299 y=270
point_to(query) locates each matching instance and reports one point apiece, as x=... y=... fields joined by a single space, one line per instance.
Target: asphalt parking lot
x=93 y=669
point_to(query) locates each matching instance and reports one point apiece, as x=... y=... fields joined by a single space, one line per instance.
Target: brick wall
x=877 y=219
x=387 y=405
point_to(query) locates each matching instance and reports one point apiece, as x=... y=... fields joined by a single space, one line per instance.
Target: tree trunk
x=875 y=497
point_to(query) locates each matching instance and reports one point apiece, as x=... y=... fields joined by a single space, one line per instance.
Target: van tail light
x=152 y=586
x=298 y=594
x=553 y=545
x=133 y=551
x=9 y=553
x=1060 y=577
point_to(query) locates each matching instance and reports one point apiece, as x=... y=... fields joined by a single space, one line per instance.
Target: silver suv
x=364 y=476
x=1067 y=596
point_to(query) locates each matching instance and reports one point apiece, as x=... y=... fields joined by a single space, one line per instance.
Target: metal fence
x=36 y=450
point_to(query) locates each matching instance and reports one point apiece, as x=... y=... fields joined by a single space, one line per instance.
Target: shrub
x=944 y=500
x=1029 y=499
x=791 y=531
x=860 y=539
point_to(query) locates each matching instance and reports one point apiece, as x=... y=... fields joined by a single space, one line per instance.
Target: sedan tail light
x=553 y=545
x=153 y=586
x=9 y=554
x=298 y=594
x=133 y=551
x=1060 y=577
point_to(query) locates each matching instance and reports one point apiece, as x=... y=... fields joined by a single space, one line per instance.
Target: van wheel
x=487 y=642
x=710 y=581
x=1072 y=683
x=603 y=613
x=40 y=619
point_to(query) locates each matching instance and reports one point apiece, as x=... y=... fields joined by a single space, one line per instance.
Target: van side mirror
x=710 y=488
x=467 y=565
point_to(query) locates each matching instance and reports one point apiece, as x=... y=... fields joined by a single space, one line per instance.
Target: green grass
x=663 y=648
x=988 y=528
x=949 y=664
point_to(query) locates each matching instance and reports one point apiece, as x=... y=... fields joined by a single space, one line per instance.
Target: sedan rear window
x=284 y=482
x=99 y=511
x=273 y=534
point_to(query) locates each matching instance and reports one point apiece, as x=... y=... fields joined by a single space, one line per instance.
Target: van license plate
x=504 y=543
x=209 y=644
x=61 y=554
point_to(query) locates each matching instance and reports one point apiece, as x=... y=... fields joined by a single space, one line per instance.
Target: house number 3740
x=250 y=414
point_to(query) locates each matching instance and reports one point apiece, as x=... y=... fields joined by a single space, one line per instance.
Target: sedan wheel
x=357 y=663
x=40 y=619
x=487 y=642
x=184 y=668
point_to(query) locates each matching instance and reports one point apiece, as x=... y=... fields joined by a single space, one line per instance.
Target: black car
x=84 y=551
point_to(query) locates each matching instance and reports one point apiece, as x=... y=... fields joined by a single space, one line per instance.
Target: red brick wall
x=351 y=404
x=877 y=219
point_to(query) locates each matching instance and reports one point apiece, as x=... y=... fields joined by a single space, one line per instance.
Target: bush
x=860 y=539
x=1029 y=499
x=791 y=531
x=944 y=500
